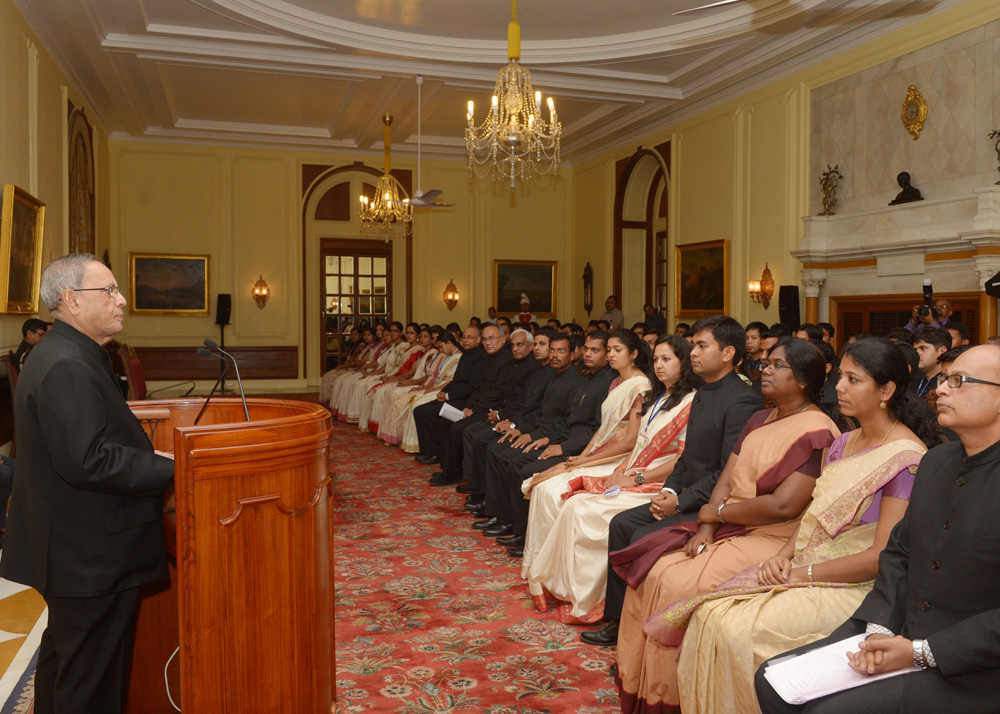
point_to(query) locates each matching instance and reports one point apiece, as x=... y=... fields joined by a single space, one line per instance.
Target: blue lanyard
x=922 y=387
x=653 y=414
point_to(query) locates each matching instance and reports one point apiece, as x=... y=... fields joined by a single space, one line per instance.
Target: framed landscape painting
x=701 y=279
x=22 y=224
x=538 y=279
x=165 y=284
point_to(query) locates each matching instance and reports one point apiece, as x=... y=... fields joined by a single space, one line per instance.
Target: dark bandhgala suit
x=476 y=440
x=937 y=581
x=549 y=422
x=719 y=411
x=85 y=523
x=583 y=422
x=468 y=376
x=497 y=370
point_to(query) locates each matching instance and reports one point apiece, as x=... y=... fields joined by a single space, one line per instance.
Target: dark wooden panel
x=335 y=205
x=310 y=172
x=166 y=363
x=6 y=411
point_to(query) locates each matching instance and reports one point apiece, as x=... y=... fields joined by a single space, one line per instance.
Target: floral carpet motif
x=433 y=618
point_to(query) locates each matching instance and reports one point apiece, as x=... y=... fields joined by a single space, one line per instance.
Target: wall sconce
x=451 y=295
x=260 y=292
x=761 y=291
x=588 y=288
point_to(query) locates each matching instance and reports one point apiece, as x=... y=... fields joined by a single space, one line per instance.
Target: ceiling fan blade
x=427 y=200
x=430 y=195
x=710 y=6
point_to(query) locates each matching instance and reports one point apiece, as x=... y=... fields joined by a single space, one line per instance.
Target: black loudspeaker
x=223 y=308
x=788 y=306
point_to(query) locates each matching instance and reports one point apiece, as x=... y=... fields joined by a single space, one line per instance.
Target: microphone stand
x=212 y=345
x=205 y=353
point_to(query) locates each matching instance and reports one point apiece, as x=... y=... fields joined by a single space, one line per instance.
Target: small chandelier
x=451 y=295
x=514 y=140
x=261 y=292
x=761 y=291
x=386 y=212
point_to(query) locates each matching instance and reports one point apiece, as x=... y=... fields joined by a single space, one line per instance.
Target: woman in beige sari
x=411 y=373
x=571 y=531
x=353 y=362
x=344 y=386
x=754 y=508
x=408 y=440
x=400 y=365
x=439 y=372
x=822 y=574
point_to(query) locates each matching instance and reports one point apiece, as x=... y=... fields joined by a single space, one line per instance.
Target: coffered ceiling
x=319 y=73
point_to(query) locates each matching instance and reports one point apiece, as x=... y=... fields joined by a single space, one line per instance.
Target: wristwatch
x=639 y=479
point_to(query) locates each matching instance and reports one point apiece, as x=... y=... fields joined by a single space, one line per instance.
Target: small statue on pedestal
x=828 y=182
x=995 y=134
x=908 y=194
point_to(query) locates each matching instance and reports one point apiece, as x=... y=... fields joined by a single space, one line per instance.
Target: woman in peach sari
x=755 y=507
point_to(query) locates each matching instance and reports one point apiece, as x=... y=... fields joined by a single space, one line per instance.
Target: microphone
x=202 y=352
x=213 y=345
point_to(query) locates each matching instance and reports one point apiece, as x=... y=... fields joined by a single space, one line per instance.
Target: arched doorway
x=640 y=231
x=347 y=280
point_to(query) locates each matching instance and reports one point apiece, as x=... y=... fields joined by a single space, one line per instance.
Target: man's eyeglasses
x=955 y=380
x=111 y=290
x=491 y=340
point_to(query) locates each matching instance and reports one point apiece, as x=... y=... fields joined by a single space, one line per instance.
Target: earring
x=882 y=405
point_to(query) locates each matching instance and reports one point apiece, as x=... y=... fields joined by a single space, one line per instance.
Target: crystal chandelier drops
x=514 y=141
x=386 y=215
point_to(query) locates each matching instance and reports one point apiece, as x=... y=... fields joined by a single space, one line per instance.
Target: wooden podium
x=249 y=600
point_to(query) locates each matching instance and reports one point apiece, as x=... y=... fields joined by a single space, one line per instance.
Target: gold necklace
x=857 y=436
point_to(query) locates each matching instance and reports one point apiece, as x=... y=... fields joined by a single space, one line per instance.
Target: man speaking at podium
x=85 y=526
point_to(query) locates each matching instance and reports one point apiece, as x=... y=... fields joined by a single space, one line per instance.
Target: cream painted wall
x=243 y=207
x=33 y=125
x=593 y=223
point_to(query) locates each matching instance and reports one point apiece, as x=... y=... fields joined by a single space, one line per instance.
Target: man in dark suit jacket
x=935 y=603
x=85 y=524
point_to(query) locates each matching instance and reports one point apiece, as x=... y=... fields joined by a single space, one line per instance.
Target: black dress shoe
x=443 y=480
x=437 y=473
x=515 y=552
x=479 y=510
x=500 y=529
x=604 y=636
x=475 y=499
x=475 y=505
x=511 y=541
x=428 y=460
x=483 y=525
x=465 y=488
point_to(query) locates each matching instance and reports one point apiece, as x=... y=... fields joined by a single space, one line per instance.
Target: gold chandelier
x=514 y=140
x=386 y=215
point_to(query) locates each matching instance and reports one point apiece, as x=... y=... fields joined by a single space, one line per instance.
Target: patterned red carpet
x=433 y=618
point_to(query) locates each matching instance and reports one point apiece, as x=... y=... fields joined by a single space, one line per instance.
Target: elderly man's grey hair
x=527 y=334
x=63 y=273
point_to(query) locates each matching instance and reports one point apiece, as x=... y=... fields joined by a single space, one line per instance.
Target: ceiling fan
x=709 y=6
x=421 y=199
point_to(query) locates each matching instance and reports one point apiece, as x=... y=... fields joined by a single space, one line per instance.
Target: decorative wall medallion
x=914 y=111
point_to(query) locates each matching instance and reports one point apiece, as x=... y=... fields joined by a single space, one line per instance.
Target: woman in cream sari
x=353 y=362
x=438 y=372
x=344 y=386
x=568 y=535
x=753 y=510
x=821 y=575
x=408 y=440
x=403 y=359
x=415 y=364
x=614 y=438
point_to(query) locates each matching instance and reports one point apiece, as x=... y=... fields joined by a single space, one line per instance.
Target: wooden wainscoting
x=167 y=363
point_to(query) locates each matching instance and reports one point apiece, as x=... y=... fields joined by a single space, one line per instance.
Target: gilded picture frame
x=538 y=279
x=701 y=279
x=169 y=284
x=22 y=229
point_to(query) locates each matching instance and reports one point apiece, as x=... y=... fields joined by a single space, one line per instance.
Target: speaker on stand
x=788 y=306
x=223 y=311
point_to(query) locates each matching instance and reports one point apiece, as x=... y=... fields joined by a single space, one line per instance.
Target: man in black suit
x=85 y=524
x=935 y=603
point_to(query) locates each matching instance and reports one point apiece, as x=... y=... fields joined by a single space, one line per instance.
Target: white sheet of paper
x=821 y=672
x=451 y=413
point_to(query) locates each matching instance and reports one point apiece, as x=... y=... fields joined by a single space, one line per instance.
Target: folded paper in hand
x=451 y=413
x=821 y=672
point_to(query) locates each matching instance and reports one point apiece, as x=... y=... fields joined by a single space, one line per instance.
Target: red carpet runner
x=433 y=618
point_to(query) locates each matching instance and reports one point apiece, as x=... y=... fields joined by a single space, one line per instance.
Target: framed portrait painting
x=167 y=284
x=701 y=279
x=22 y=225
x=538 y=279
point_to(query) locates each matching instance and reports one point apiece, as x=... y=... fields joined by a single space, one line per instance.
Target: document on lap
x=821 y=672
x=451 y=413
